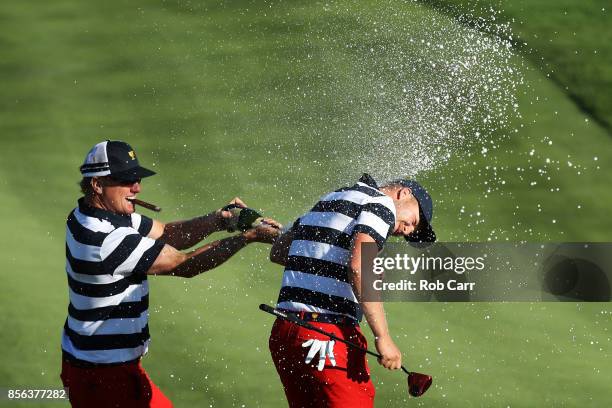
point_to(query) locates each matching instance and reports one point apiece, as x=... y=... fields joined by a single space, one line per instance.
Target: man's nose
x=136 y=187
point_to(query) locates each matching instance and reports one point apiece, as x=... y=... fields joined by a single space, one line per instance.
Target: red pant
x=125 y=385
x=348 y=384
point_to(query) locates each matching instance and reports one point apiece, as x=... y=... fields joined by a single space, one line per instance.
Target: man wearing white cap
x=110 y=251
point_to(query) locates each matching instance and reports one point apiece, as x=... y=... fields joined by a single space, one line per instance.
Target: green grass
x=567 y=40
x=208 y=96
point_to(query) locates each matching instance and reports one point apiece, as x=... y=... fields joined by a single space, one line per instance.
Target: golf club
x=417 y=383
x=144 y=204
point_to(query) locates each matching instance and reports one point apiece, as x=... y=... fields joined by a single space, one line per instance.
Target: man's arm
x=373 y=311
x=172 y=262
x=187 y=233
x=280 y=249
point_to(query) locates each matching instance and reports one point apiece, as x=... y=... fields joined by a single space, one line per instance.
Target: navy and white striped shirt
x=107 y=256
x=316 y=272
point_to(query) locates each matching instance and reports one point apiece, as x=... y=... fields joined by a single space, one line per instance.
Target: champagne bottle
x=242 y=218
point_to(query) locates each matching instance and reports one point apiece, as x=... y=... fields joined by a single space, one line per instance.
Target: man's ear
x=96 y=185
x=403 y=193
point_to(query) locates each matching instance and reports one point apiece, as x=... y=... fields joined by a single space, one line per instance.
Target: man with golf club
x=320 y=304
x=110 y=251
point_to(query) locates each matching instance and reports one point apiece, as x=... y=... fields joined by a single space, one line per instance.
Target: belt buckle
x=314 y=316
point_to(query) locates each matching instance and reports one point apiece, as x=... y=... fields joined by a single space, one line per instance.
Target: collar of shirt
x=118 y=220
x=367 y=179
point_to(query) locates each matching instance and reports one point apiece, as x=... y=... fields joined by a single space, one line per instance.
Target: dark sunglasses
x=125 y=182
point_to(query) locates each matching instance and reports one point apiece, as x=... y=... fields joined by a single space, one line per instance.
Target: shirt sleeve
x=142 y=224
x=377 y=219
x=125 y=251
x=296 y=224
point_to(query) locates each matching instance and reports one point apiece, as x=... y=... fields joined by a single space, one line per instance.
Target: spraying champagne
x=243 y=218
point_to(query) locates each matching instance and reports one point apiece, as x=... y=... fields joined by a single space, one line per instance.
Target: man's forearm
x=209 y=256
x=185 y=234
x=280 y=249
x=374 y=312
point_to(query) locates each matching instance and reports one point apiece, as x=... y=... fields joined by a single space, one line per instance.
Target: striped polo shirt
x=316 y=273
x=107 y=256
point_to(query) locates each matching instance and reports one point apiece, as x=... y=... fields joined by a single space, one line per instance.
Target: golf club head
x=418 y=383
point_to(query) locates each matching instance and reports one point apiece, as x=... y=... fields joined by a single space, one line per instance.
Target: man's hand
x=391 y=355
x=224 y=217
x=266 y=232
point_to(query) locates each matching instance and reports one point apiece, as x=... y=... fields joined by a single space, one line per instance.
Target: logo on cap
x=114 y=158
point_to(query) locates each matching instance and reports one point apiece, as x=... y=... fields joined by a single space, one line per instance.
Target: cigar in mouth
x=144 y=204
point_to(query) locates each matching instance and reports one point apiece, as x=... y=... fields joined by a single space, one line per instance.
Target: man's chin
x=129 y=208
